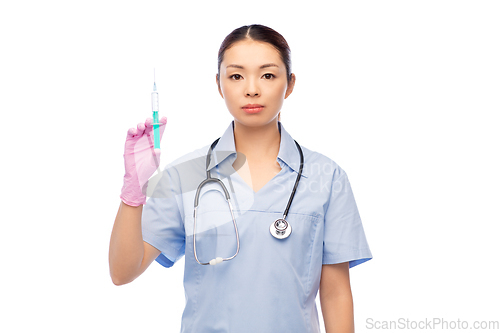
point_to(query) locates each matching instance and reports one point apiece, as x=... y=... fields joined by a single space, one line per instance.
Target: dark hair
x=258 y=33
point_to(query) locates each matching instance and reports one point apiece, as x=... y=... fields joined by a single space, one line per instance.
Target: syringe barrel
x=156 y=130
x=154 y=101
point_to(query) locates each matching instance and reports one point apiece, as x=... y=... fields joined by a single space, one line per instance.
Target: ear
x=290 y=86
x=218 y=85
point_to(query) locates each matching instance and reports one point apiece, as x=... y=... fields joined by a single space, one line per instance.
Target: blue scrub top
x=271 y=285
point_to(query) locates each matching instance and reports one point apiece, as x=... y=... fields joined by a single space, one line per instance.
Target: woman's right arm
x=129 y=255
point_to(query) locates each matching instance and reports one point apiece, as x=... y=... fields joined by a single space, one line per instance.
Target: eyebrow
x=263 y=66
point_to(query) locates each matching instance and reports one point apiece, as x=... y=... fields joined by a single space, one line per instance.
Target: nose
x=252 y=88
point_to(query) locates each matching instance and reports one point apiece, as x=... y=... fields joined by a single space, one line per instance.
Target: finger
x=148 y=125
x=163 y=121
x=140 y=129
x=162 y=128
x=155 y=161
x=132 y=132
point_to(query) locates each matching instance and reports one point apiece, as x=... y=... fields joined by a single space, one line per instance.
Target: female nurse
x=270 y=285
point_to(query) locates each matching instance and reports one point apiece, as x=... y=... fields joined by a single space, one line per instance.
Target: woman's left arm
x=336 y=298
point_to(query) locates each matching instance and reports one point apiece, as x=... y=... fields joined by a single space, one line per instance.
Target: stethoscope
x=280 y=228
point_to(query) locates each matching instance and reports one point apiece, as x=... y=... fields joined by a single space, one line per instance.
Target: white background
x=403 y=95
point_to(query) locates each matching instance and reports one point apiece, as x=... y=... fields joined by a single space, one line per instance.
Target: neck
x=260 y=143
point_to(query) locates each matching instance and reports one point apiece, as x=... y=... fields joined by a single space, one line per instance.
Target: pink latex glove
x=141 y=161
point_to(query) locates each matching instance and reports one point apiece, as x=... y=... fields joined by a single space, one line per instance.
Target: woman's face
x=253 y=73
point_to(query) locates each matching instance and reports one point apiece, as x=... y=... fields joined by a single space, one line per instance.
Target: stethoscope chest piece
x=280 y=229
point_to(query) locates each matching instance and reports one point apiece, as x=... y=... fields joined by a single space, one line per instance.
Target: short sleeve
x=344 y=237
x=162 y=222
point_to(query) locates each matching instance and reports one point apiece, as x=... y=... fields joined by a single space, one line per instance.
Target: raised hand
x=141 y=161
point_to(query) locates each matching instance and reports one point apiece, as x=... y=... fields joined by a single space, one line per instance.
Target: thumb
x=155 y=159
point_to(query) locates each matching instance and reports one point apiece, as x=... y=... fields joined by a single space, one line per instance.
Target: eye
x=269 y=78
x=236 y=75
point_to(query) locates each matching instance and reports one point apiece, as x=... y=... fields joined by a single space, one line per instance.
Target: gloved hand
x=141 y=161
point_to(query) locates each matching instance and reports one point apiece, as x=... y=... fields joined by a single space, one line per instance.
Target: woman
x=268 y=284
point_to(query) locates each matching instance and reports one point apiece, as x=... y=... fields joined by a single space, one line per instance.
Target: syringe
x=156 y=121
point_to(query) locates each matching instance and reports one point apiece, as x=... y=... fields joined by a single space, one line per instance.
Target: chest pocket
x=296 y=250
x=280 y=262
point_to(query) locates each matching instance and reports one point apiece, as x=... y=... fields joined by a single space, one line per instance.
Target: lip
x=253 y=108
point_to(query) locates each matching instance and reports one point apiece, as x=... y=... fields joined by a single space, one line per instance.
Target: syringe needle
x=154 y=79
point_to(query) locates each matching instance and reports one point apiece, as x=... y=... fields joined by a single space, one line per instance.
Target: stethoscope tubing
x=210 y=179
x=296 y=180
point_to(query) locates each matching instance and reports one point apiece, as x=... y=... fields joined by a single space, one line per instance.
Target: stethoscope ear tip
x=216 y=261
